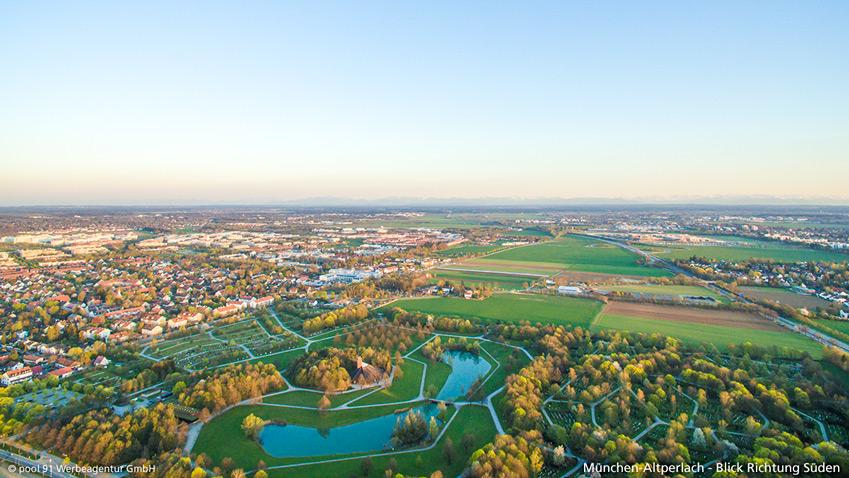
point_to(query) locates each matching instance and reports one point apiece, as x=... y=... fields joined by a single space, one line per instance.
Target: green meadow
x=767 y=250
x=476 y=279
x=720 y=336
x=579 y=254
x=510 y=308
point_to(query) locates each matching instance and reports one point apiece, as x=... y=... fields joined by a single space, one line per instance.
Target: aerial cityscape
x=442 y=240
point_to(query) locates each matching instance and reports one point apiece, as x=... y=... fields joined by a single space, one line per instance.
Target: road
x=815 y=335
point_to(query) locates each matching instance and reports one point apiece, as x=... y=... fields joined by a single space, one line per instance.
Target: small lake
x=289 y=441
x=465 y=369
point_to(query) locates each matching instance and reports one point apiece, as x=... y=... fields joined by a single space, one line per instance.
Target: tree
x=536 y=461
x=252 y=425
x=448 y=451
x=261 y=474
x=324 y=402
x=198 y=472
x=366 y=466
x=433 y=429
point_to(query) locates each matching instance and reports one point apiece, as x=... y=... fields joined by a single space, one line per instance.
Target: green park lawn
x=476 y=279
x=660 y=289
x=579 y=254
x=223 y=435
x=473 y=420
x=280 y=360
x=309 y=398
x=405 y=388
x=436 y=375
x=534 y=308
x=509 y=359
x=756 y=250
x=719 y=336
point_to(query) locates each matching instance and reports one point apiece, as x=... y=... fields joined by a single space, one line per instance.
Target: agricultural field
x=476 y=279
x=572 y=253
x=672 y=291
x=751 y=250
x=694 y=326
x=506 y=307
x=468 y=249
x=784 y=296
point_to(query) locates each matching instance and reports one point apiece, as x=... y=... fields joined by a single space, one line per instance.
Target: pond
x=465 y=369
x=290 y=441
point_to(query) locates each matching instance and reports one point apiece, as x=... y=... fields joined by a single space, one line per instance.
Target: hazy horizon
x=209 y=103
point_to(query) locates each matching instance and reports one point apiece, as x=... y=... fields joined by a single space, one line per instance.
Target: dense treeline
x=231 y=385
x=329 y=320
x=445 y=324
x=380 y=335
x=434 y=349
x=102 y=437
x=149 y=376
x=509 y=456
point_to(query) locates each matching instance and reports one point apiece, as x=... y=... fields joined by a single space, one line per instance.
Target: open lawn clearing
x=718 y=335
x=175 y=346
x=473 y=420
x=580 y=254
x=309 y=398
x=436 y=375
x=404 y=388
x=839 y=325
x=695 y=315
x=534 y=308
x=665 y=290
x=476 y=279
x=510 y=360
x=468 y=249
x=529 y=269
x=784 y=296
x=223 y=435
x=756 y=250
x=280 y=360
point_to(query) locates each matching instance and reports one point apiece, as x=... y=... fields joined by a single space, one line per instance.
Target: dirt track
x=690 y=314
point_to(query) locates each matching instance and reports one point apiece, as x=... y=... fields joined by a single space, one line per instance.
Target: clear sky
x=257 y=102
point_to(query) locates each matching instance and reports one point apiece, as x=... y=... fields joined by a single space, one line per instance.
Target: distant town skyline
x=210 y=103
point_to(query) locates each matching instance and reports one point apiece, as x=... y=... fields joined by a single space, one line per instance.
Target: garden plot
x=221 y=345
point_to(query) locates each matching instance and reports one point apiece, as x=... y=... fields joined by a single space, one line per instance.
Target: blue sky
x=254 y=102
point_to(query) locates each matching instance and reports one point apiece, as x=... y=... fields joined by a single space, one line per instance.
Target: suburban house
x=12 y=377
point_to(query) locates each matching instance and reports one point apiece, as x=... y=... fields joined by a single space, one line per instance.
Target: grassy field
x=579 y=254
x=308 y=398
x=437 y=373
x=657 y=289
x=510 y=308
x=720 y=336
x=839 y=325
x=756 y=250
x=223 y=436
x=475 y=279
x=468 y=249
x=784 y=296
x=502 y=354
x=473 y=420
x=405 y=388
x=280 y=360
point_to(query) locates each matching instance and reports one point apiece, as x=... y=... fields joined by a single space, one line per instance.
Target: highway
x=801 y=329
